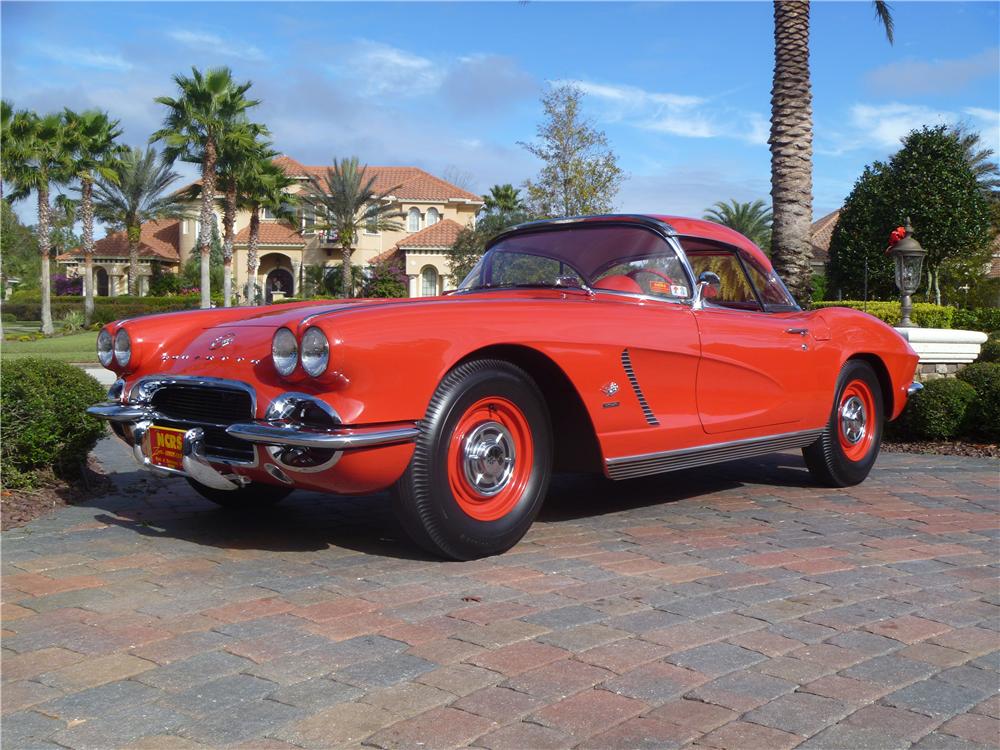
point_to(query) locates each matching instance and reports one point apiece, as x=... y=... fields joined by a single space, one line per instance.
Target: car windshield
x=613 y=258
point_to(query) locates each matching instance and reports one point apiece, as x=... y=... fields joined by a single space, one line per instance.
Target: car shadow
x=310 y=521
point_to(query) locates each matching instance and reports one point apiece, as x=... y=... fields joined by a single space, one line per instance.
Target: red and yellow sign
x=165 y=446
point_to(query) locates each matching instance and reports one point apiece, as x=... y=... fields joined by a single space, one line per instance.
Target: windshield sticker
x=678 y=290
x=659 y=287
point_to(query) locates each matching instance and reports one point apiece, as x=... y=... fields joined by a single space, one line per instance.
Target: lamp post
x=909 y=257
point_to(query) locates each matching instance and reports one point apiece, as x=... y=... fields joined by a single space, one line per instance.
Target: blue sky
x=681 y=89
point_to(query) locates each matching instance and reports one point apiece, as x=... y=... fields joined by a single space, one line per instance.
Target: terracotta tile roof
x=391 y=254
x=821 y=233
x=273 y=233
x=405 y=183
x=442 y=234
x=159 y=240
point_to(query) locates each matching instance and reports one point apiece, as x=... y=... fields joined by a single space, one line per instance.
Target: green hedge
x=924 y=315
x=28 y=306
x=940 y=411
x=990 y=350
x=984 y=414
x=985 y=319
x=43 y=423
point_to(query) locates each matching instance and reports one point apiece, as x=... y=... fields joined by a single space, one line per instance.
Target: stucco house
x=434 y=212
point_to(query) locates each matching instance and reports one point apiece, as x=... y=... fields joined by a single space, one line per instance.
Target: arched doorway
x=101 y=283
x=278 y=280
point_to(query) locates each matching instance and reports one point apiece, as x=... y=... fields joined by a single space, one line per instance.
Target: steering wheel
x=649 y=286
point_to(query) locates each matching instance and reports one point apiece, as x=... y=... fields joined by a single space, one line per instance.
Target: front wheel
x=251 y=497
x=846 y=451
x=481 y=465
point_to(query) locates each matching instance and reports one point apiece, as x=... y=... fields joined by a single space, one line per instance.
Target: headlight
x=105 y=348
x=315 y=352
x=284 y=352
x=123 y=348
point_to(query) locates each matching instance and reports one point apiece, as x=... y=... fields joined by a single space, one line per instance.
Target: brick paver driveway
x=733 y=607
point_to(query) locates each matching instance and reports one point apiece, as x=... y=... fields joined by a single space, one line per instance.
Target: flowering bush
x=385 y=279
x=63 y=285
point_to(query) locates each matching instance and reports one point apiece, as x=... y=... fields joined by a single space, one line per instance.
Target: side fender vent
x=634 y=382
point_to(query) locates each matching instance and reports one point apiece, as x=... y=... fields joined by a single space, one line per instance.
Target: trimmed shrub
x=990 y=351
x=28 y=306
x=43 y=422
x=940 y=410
x=983 y=319
x=984 y=414
x=924 y=315
x=8 y=317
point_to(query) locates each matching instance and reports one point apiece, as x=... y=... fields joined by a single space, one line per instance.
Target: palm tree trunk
x=44 y=247
x=252 y=262
x=791 y=147
x=87 y=216
x=205 y=236
x=229 y=237
x=134 y=234
x=345 y=254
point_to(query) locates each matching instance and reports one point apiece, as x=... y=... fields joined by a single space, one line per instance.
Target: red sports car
x=629 y=345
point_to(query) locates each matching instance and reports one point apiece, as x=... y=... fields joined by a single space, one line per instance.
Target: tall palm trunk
x=44 y=247
x=252 y=262
x=345 y=254
x=134 y=235
x=791 y=147
x=87 y=217
x=205 y=236
x=229 y=237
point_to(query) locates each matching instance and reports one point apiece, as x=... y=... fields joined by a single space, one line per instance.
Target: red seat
x=619 y=283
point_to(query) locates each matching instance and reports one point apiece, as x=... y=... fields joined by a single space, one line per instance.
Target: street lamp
x=909 y=257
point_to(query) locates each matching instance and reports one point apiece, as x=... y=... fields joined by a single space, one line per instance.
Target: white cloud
x=380 y=70
x=203 y=40
x=885 y=124
x=909 y=77
x=87 y=58
x=683 y=115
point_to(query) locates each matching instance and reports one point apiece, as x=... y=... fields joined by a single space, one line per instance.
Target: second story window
x=266 y=213
x=433 y=216
x=413 y=220
x=308 y=221
x=371 y=224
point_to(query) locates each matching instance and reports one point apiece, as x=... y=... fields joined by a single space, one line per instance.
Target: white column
x=413 y=284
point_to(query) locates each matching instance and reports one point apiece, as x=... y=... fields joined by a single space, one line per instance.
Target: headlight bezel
x=285 y=364
x=107 y=356
x=316 y=346
x=123 y=354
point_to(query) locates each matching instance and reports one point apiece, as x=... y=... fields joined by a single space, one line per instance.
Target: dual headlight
x=117 y=348
x=314 y=356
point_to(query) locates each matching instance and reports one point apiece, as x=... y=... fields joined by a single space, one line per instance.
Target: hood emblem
x=224 y=340
x=610 y=389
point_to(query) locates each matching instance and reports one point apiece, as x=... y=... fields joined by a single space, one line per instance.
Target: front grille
x=213 y=409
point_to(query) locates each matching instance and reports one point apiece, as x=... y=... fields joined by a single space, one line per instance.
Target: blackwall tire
x=846 y=451
x=481 y=465
x=251 y=497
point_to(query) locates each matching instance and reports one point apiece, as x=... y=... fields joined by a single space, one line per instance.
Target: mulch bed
x=944 y=448
x=18 y=507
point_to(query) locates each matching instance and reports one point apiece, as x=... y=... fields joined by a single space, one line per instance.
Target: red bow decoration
x=895 y=236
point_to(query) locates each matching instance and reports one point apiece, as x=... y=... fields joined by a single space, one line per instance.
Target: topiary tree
x=929 y=180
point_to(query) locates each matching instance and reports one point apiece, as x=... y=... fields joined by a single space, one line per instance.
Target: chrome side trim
x=627 y=467
x=267 y=433
x=914 y=388
x=634 y=382
x=120 y=412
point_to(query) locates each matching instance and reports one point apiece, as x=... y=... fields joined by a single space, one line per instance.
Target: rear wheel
x=251 y=497
x=481 y=466
x=849 y=445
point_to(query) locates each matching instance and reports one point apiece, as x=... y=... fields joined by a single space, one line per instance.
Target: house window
x=428 y=282
x=266 y=213
x=413 y=220
x=308 y=221
x=371 y=221
x=433 y=217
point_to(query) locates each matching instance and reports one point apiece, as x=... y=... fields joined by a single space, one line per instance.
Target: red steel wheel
x=490 y=458
x=857 y=408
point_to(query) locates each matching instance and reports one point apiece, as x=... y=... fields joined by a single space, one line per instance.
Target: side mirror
x=707 y=288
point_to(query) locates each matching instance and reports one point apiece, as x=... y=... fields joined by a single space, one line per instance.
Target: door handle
x=797 y=331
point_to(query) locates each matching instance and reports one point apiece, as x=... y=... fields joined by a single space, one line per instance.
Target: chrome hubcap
x=488 y=458
x=853 y=419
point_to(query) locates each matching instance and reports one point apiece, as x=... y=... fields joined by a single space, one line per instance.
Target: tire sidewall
x=846 y=471
x=451 y=528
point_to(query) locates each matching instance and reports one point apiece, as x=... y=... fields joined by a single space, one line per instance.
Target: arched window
x=433 y=217
x=413 y=220
x=428 y=281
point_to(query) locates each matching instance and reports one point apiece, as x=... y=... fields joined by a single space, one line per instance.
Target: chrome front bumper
x=194 y=461
x=914 y=388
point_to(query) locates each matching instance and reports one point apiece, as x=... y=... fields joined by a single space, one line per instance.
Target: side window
x=735 y=289
x=656 y=276
x=770 y=289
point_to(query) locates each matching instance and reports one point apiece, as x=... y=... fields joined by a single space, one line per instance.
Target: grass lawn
x=79 y=347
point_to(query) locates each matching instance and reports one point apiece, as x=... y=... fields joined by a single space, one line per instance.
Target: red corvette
x=629 y=345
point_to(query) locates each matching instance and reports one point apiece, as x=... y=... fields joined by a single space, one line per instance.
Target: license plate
x=165 y=446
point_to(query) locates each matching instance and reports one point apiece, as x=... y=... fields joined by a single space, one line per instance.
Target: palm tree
x=503 y=199
x=93 y=137
x=979 y=158
x=37 y=158
x=6 y=118
x=262 y=185
x=752 y=220
x=135 y=194
x=345 y=202
x=791 y=140
x=209 y=107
